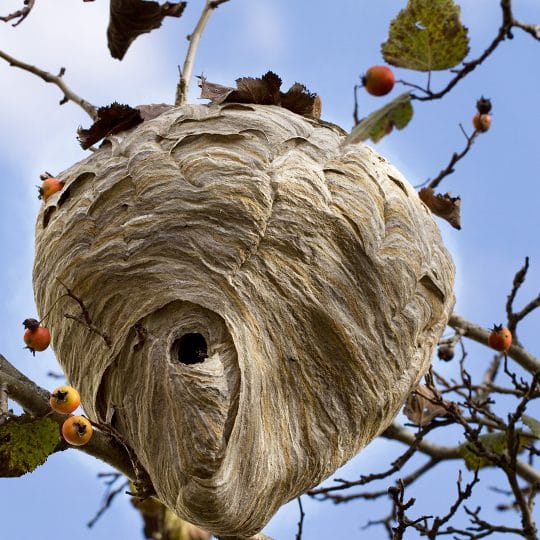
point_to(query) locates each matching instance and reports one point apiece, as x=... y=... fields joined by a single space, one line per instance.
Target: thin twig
x=373 y=495
x=20 y=14
x=355 y=111
x=449 y=169
x=57 y=80
x=84 y=318
x=301 y=520
x=194 y=38
x=108 y=498
x=502 y=34
x=515 y=317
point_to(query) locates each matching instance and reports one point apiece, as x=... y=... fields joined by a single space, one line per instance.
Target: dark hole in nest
x=190 y=349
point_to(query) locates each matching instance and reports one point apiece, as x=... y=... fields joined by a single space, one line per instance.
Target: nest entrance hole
x=190 y=349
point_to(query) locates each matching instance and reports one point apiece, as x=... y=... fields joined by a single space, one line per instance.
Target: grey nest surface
x=262 y=299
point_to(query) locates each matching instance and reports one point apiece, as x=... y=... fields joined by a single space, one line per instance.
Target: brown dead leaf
x=420 y=407
x=149 y=112
x=111 y=119
x=131 y=18
x=215 y=92
x=445 y=206
x=300 y=100
x=264 y=90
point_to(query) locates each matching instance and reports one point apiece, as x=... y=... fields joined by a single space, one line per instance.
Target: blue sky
x=325 y=45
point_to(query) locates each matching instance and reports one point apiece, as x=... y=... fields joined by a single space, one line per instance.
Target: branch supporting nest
x=35 y=400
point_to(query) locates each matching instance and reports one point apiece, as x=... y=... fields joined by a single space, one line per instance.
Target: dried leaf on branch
x=131 y=18
x=423 y=405
x=445 y=206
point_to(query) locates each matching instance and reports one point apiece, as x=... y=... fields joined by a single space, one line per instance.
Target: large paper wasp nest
x=266 y=299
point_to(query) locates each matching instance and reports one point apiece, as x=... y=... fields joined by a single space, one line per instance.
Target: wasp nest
x=262 y=299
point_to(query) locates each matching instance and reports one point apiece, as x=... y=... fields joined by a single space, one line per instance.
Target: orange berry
x=481 y=122
x=49 y=186
x=36 y=337
x=77 y=430
x=500 y=338
x=65 y=399
x=378 y=80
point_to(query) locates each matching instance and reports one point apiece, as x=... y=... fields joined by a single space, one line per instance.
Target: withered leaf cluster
x=111 y=119
x=264 y=90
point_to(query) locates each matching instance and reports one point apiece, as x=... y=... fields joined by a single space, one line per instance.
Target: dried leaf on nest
x=131 y=18
x=111 y=119
x=264 y=90
x=300 y=100
x=445 y=206
x=149 y=112
x=420 y=407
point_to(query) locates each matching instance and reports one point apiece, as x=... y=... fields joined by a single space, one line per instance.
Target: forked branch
x=194 y=39
x=57 y=80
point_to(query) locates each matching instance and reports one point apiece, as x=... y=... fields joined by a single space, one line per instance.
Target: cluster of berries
x=76 y=430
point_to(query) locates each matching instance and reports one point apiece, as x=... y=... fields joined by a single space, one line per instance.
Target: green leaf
x=25 y=443
x=427 y=35
x=397 y=113
x=496 y=443
x=532 y=424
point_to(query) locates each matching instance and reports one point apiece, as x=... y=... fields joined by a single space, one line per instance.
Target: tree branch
x=401 y=434
x=57 y=80
x=20 y=14
x=449 y=169
x=194 y=38
x=505 y=31
x=35 y=400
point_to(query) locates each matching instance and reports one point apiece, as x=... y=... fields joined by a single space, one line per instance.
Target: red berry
x=49 y=186
x=65 y=399
x=500 y=338
x=446 y=352
x=36 y=337
x=77 y=430
x=378 y=80
x=481 y=122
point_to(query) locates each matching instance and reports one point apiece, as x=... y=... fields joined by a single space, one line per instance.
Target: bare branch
x=84 y=318
x=35 y=400
x=533 y=29
x=194 y=38
x=108 y=498
x=515 y=317
x=449 y=169
x=20 y=14
x=301 y=520
x=57 y=80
